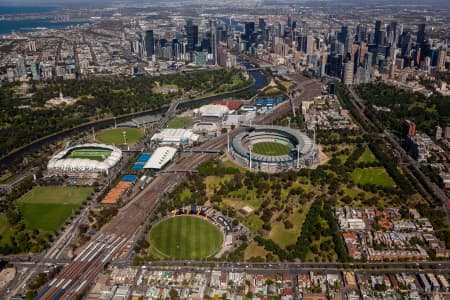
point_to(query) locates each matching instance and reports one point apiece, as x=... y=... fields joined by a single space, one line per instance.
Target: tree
x=173 y=294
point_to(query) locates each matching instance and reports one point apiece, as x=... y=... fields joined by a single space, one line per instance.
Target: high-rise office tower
x=441 y=60
x=343 y=35
x=149 y=43
x=301 y=42
x=379 y=34
x=394 y=33
x=21 y=68
x=35 y=71
x=32 y=46
x=214 y=41
x=249 y=29
x=309 y=44
x=361 y=33
x=191 y=35
x=347 y=77
x=405 y=43
x=421 y=35
x=261 y=24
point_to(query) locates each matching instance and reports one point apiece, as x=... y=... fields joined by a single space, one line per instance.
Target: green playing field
x=91 y=153
x=48 y=207
x=116 y=136
x=185 y=237
x=271 y=148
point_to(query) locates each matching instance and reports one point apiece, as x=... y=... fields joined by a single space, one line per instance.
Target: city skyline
x=225 y=150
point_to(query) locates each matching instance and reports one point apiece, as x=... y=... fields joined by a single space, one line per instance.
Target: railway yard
x=113 y=237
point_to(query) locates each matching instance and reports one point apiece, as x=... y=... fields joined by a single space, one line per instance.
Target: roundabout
x=185 y=237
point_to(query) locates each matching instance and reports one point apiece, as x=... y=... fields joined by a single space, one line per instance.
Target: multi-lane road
x=359 y=105
x=114 y=236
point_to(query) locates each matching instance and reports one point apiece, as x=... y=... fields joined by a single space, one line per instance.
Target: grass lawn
x=272 y=92
x=185 y=237
x=367 y=157
x=5 y=230
x=230 y=164
x=253 y=222
x=56 y=195
x=271 y=148
x=254 y=250
x=285 y=237
x=214 y=182
x=47 y=217
x=238 y=204
x=115 y=136
x=186 y=194
x=179 y=123
x=286 y=84
x=90 y=153
x=377 y=176
x=47 y=207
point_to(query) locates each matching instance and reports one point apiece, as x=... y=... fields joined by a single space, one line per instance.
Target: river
x=259 y=81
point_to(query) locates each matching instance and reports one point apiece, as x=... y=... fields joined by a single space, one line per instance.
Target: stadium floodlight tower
x=124 y=133
x=228 y=141
x=250 y=157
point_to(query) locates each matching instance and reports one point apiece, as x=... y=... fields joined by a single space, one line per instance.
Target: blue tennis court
x=129 y=178
x=137 y=166
x=144 y=157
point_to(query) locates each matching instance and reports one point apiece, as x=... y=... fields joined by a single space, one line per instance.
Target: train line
x=112 y=238
x=83 y=269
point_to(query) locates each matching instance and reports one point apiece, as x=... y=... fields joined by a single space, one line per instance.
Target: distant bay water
x=17 y=10
x=28 y=25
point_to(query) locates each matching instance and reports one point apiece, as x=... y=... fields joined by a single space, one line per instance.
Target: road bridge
x=6 y=187
x=179 y=171
x=202 y=150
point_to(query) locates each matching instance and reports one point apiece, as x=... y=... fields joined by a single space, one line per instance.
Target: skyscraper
x=378 y=37
x=301 y=42
x=361 y=33
x=421 y=35
x=191 y=35
x=214 y=41
x=149 y=43
x=309 y=44
x=343 y=35
x=21 y=68
x=347 y=77
x=261 y=24
x=441 y=60
x=249 y=29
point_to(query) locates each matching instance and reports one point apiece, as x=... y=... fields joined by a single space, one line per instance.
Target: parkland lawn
x=48 y=207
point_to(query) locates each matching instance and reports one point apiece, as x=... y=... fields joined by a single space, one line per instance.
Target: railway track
x=112 y=238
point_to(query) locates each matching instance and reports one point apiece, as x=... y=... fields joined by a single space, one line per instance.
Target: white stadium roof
x=175 y=136
x=62 y=164
x=160 y=158
x=214 y=110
